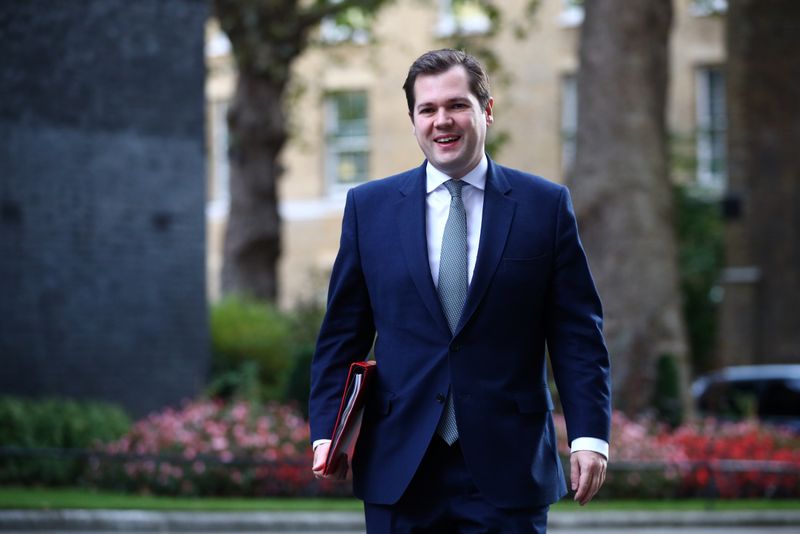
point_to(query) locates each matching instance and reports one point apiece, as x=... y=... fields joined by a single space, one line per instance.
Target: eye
x=460 y=105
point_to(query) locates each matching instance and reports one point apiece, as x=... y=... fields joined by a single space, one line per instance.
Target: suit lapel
x=412 y=232
x=498 y=213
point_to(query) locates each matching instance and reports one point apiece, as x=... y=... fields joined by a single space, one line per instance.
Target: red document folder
x=351 y=413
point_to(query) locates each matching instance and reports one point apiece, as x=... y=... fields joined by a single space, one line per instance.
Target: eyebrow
x=448 y=101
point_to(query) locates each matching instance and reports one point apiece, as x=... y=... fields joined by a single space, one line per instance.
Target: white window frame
x=219 y=168
x=338 y=144
x=711 y=131
x=569 y=121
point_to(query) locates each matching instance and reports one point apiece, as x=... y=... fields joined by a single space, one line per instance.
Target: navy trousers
x=443 y=499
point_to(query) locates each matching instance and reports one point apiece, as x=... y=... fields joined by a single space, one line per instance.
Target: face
x=449 y=124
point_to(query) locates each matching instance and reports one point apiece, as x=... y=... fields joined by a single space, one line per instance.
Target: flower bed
x=210 y=448
x=249 y=449
x=742 y=459
x=703 y=459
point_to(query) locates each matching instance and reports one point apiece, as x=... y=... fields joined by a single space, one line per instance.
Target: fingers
x=574 y=471
x=320 y=460
x=588 y=471
x=320 y=457
x=583 y=484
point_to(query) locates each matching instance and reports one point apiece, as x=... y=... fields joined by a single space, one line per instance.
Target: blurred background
x=173 y=176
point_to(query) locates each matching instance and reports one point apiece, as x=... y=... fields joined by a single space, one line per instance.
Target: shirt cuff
x=590 y=444
x=318 y=442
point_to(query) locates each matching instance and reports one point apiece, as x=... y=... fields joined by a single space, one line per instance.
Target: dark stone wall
x=102 y=197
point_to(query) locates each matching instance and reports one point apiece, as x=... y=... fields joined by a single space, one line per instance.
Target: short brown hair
x=438 y=61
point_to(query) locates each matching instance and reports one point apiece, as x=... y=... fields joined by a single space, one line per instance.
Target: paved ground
x=132 y=521
x=674 y=530
x=681 y=530
x=644 y=530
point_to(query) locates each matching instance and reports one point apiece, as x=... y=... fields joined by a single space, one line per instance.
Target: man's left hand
x=587 y=474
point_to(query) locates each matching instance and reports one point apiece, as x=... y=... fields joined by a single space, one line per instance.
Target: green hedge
x=261 y=353
x=53 y=423
x=251 y=343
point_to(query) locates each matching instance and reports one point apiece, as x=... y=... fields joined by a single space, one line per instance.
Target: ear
x=488 y=111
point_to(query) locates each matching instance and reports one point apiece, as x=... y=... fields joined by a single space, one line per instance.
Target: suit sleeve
x=578 y=353
x=347 y=331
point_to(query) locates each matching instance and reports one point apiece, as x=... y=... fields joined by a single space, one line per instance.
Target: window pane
x=711 y=128
x=347 y=138
x=220 y=169
x=352 y=167
x=569 y=121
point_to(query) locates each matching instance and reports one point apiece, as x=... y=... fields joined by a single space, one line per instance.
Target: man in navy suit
x=460 y=272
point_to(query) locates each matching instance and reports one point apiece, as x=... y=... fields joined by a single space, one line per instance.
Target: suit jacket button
x=439 y=398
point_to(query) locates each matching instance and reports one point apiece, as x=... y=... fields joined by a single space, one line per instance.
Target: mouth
x=446 y=139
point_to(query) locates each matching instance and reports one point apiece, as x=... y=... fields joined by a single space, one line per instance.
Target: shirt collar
x=476 y=177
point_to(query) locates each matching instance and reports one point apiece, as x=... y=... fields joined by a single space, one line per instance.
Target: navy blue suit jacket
x=531 y=287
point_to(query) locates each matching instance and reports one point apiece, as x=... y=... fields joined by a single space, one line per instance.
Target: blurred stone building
x=349 y=121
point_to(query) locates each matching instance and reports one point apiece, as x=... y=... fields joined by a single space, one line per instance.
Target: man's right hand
x=320 y=457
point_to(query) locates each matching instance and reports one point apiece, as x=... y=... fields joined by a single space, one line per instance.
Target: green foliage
x=683 y=156
x=261 y=353
x=667 y=395
x=306 y=320
x=251 y=343
x=700 y=236
x=240 y=382
x=298 y=384
x=53 y=423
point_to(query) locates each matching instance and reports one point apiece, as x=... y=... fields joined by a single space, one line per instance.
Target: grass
x=59 y=498
x=63 y=498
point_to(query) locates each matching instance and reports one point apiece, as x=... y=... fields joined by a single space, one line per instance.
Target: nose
x=442 y=118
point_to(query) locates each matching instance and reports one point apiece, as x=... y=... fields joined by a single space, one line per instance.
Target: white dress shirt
x=437 y=206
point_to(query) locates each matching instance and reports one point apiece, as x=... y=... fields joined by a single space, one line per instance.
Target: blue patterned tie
x=453 y=286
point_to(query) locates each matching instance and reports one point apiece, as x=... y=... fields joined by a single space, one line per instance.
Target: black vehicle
x=769 y=392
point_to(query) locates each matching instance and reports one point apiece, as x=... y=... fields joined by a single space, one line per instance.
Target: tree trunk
x=257 y=129
x=267 y=36
x=759 y=322
x=623 y=195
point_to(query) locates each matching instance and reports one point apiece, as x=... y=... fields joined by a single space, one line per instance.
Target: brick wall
x=102 y=195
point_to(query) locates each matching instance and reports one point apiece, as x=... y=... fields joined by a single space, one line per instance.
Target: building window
x=569 y=121
x=347 y=138
x=705 y=8
x=462 y=17
x=219 y=175
x=571 y=14
x=711 y=128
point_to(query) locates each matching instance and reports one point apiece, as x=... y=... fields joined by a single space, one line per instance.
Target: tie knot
x=454 y=186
